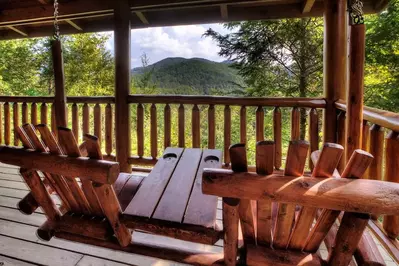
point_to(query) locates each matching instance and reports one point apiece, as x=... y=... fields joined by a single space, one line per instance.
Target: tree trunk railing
x=159 y=121
x=379 y=137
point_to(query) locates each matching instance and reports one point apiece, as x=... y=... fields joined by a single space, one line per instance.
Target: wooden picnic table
x=169 y=201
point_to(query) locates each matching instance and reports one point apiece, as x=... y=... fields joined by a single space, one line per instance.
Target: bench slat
x=153 y=186
x=174 y=200
x=201 y=208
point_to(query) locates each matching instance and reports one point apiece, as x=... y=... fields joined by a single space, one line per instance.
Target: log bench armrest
x=99 y=171
x=343 y=194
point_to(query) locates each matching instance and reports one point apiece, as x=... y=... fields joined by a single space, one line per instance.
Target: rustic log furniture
x=276 y=209
x=169 y=201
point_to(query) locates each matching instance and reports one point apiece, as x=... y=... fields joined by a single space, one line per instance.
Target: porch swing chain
x=356 y=12
x=56 y=26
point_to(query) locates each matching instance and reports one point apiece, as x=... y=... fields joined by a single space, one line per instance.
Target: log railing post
x=43 y=114
x=277 y=137
x=211 y=127
x=108 y=129
x=167 y=126
x=7 y=127
x=243 y=124
x=15 y=111
x=122 y=82
x=335 y=62
x=391 y=223
x=33 y=114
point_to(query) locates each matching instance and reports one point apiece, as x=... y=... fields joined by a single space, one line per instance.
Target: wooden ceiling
x=34 y=18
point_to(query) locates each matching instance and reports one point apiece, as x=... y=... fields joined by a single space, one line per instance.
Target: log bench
x=169 y=201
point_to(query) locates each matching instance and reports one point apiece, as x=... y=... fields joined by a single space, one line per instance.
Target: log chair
x=296 y=211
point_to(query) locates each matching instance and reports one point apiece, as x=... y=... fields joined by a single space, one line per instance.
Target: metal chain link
x=56 y=26
x=356 y=12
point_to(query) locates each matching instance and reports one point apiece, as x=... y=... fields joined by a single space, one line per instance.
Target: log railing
x=217 y=122
x=92 y=115
x=158 y=121
x=379 y=137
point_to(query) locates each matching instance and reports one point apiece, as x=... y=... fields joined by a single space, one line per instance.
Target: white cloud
x=178 y=41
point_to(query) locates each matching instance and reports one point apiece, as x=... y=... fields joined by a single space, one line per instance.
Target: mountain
x=196 y=75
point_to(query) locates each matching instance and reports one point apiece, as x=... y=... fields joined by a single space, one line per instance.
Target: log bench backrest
x=278 y=209
x=83 y=184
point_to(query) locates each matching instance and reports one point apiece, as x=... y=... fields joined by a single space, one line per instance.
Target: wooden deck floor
x=20 y=246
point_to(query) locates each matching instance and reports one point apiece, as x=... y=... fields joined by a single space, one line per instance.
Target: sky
x=178 y=41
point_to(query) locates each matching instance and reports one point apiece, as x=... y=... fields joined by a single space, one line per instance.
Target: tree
x=279 y=57
x=382 y=59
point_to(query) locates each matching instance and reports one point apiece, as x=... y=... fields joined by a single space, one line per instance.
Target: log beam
x=335 y=62
x=122 y=83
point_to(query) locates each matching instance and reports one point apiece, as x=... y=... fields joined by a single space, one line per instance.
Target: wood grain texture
x=211 y=127
x=129 y=190
x=153 y=186
x=75 y=120
x=325 y=167
x=167 y=127
x=97 y=122
x=86 y=119
x=24 y=111
x=33 y=114
x=335 y=66
x=267 y=256
x=355 y=95
x=391 y=223
x=15 y=111
x=347 y=239
x=264 y=165
x=108 y=129
x=181 y=126
x=227 y=134
x=43 y=114
x=313 y=133
x=327 y=193
x=230 y=225
x=195 y=127
x=277 y=137
x=201 y=208
x=140 y=130
x=376 y=149
x=238 y=156
x=173 y=202
x=154 y=131
x=7 y=126
x=341 y=138
x=243 y=124
x=295 y=123
x=260 y=123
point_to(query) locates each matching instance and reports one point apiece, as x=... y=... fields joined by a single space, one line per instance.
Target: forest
x=255 y=50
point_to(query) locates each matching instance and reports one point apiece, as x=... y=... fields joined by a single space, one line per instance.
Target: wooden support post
x=347 y=239
x=211 y=127
x=122 y=82
x=335 y=62
x=59 y=81
x=354 y=114
x=313 y=133
x=230 y=225
x=167 y=127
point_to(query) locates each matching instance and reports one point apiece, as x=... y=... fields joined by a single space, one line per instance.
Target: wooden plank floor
x=20 y=246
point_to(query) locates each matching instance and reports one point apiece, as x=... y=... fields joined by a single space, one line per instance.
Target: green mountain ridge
x=196 y=75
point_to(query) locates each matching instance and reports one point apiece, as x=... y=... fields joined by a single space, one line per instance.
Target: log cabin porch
x=124 y=123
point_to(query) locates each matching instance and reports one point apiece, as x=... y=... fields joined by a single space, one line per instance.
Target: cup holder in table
x=211 y=159
x=170 y=156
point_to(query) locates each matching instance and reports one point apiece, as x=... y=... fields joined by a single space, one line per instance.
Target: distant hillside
x=197 y=74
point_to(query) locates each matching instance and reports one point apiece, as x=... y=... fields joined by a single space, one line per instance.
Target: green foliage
x=26 y=68
x=188 y=76
x=382 y=59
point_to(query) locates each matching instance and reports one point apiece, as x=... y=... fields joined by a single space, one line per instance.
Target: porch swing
x=276 y=209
